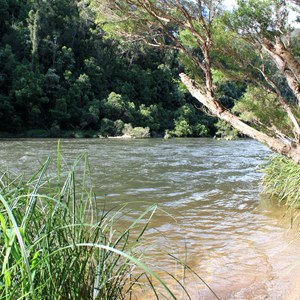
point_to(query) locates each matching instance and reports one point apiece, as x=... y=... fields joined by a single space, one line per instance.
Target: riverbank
x=41 y=133
x=79 y=134
x=128 y=131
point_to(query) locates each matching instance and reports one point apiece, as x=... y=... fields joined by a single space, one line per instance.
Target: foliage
x=107 y=127
x=225 y=131
x=55 y=244
x=261 y=108
x=260 y=18
x=251 y=45
x=136 y=132
x=189 y=122
x=61 y=73
x=281 y=180
x=182 y=128
x=79 y=73
x=200 y=130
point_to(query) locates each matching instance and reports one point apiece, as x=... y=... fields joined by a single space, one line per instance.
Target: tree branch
x=284 y=147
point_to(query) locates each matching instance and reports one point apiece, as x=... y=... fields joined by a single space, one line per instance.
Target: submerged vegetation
x=281 y=179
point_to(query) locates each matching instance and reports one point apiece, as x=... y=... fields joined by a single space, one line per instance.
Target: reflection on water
x=210 y=215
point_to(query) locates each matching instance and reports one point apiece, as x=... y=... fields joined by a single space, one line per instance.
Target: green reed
x=55 y=244
x=281 y=179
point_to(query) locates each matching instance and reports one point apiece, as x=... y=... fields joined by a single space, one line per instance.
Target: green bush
x=183 y=128
x=200 y=130
x=118 y=127
x=107 y=128
x=226 y=131
x=136 y=132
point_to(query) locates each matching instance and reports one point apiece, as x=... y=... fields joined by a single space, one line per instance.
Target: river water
x=211 y=213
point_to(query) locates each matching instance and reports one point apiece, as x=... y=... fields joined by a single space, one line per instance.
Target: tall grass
x=55 y=244
x=281 y=179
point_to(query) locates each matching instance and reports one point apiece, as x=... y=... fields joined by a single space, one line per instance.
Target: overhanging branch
x=284 y=147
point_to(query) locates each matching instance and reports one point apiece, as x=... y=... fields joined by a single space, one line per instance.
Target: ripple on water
x=208 y=193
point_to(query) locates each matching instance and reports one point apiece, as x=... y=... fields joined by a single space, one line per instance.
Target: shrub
x=136 y=132
x=118 y=127
x=200 y=130
x=182 y=128
x=226 y=131
x=107 y=127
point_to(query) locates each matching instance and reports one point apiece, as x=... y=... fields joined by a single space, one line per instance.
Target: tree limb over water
x=253 y=44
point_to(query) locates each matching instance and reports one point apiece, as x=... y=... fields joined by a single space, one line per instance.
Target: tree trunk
x=289 y=149
x=286 y=63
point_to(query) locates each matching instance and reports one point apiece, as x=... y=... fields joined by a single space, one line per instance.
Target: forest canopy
x=62 y=73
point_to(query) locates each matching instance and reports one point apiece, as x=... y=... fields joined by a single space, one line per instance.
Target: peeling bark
x=284 y=105
x=286 y=63
x=289 y=149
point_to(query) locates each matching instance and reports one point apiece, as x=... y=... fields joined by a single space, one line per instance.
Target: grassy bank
x=281 y=180
x=55 y=244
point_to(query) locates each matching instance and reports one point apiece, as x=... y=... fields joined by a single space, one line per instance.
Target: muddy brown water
x=210 y=211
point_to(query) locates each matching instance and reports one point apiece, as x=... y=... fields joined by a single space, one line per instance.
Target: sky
x=230 y=3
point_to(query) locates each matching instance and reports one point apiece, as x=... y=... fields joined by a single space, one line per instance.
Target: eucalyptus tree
x=253 y=44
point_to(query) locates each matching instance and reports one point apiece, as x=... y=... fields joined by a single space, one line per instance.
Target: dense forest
x=61 y=75
x=64 y=74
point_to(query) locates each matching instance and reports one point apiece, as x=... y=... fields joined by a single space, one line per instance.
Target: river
x=211 y=213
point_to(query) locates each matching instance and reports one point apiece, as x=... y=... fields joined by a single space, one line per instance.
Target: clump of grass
x=281 y=180
x=54 y=244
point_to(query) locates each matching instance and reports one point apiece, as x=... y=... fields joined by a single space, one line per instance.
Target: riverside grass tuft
x=55 y=244
x=281 y=180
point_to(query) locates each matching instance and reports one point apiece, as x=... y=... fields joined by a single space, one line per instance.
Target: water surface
x=210 y=210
